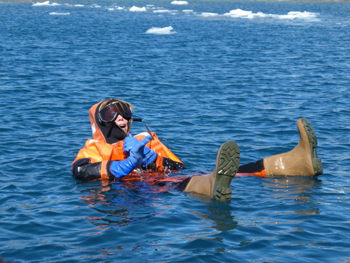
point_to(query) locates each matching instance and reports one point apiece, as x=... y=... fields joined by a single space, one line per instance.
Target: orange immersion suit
x=94 y=159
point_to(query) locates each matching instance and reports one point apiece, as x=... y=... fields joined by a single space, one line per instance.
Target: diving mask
x=114 y=107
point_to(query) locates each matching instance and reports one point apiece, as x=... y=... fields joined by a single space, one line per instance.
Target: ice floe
x=293 y=15
x=179 y=3
x=137 y=9
x=46 y=3
x=233 y=14
x=161 y=30
x=59 y=14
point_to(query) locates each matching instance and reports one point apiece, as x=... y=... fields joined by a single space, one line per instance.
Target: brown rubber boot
x=217 y=184
x=302 y=160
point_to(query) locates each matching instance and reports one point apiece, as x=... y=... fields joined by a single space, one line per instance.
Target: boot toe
x=316 y=162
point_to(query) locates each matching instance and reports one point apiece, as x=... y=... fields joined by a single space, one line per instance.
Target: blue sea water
x=198 y=74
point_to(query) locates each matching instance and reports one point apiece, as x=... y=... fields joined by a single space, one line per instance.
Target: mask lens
x=110 y=112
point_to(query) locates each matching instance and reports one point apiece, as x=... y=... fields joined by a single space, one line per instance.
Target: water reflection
x=218 y=212
x=119 y=202
x=299 y=189
x=122 y=203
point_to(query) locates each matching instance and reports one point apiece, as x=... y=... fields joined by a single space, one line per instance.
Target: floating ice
x=138 y=9
x=161 y=11
x=79 y=5
x=207 y=14
x=244 y=14
x=299 y=15
x=239 y=13
x=161 y=30
x=59 y=14
x=179 y=3
x=46 y=3
x=41 y=3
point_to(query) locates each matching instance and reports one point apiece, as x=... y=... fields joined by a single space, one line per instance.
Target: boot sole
x=227 y=166
x=316 y=162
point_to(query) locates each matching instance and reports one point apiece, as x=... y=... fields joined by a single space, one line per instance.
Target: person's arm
x=152 y=160
x=83 y=170
x=137 y=156
x=89 y=165
x=163 y=163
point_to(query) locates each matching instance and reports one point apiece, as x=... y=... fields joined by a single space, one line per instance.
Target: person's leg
x=301 y=161
x=217 y=184
x=257 y=168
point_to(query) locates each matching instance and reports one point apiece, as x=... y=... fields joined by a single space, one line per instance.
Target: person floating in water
x=114 y=154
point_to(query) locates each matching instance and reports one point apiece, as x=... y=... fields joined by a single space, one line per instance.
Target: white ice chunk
x=138 y=9
x=59 y=14
x=179 y=3
x=161 y=30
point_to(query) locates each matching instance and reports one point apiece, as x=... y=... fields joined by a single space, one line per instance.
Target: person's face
x=122 y=123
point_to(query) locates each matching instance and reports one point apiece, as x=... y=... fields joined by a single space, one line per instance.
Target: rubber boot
x=301 y=161
x=217 y=184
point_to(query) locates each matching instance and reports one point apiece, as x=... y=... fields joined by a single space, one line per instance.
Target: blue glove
x=122 y=168
x=130 y=142
x=150 y=156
